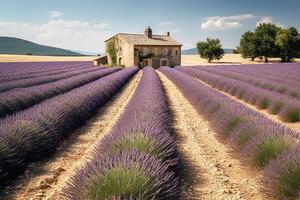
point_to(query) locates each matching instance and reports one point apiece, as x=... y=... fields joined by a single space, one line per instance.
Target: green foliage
x=119 y=182
x=236 y=50
x=292 y=114
x=289 y=181
x=268 y=149
x=276 y=108
x=249 y=45
x=265 y=34
x=263 y=103
x=211 y=49
x=269 y=40
x=139 y=142
x=244 y=136
x=232 y=124
x=111 y=49
x=288 y=41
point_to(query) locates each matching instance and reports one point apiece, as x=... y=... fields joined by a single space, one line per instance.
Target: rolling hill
x=11 y=45
x=193 y=51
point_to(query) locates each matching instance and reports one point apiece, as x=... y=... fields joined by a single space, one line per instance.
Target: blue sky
x=84 y=25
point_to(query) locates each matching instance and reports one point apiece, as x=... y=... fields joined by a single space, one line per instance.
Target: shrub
x=232 y=124
x=263 y=103
x=282 y=177
x=268 y=148
x=275 y=107
x=291 y=113
x=123 y=176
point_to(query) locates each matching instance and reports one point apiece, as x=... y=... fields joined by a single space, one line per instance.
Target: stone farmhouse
x=125 y=49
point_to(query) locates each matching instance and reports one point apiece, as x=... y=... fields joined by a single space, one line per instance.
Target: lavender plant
x=35 y=132
x=137 y=159
x=21 y=98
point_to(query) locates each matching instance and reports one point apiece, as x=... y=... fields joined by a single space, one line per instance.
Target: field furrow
x=209 y=171
x=258 y=141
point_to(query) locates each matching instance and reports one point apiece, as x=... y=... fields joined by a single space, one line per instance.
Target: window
x=120 y=48
x=176 y=52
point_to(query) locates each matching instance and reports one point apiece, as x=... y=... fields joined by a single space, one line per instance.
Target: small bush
x=281 y=179
x=115 y=184
x=291 y=114
x=263 y=103
x=244 y=136
x=275 y=108
x=129 y=175
x=232 y=124
x=139 y=142
x=268 y=149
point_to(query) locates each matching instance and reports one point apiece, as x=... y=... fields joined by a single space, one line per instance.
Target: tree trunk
x=266 y=60
x=252 y=58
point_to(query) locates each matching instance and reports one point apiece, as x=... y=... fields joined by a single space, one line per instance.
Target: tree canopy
x=210 y=49
x=269 y=40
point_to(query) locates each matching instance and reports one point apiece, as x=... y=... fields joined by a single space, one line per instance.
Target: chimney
x=148 y=32
x=168 y=33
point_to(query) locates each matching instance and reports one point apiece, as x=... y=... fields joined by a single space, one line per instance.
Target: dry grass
x=28 y=58
x=185 y=59
x=227 y=59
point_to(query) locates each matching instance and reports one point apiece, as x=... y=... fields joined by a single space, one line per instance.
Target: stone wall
x=160 y=52
x=129 y=54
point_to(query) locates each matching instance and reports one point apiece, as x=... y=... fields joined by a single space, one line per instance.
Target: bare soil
x=209 y=169
x=45 y=179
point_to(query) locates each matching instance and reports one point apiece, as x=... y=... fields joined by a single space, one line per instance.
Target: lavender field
x=71 y=130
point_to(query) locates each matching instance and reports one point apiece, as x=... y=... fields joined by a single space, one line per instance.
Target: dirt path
x=44 y=180
x=295 y=126
x=210 y=171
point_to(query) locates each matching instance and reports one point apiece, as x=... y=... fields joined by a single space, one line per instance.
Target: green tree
x=211 y=49
x=249 y=45
x=266 y=37
x=288 y=42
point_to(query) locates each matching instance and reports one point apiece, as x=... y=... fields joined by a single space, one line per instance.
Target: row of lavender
x=34 y=132
x=282 y=73
x=47 y=70
x=21 y=98
x=287 y=108
x=13 y=68
x=259 y=141
x=289 y=87
x=21 y=83
x=137 y=159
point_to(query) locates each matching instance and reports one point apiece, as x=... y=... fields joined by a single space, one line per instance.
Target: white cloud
x=267 y=20
x=68 y=34
x=163 y=23
x=101 y=25
x=224 y=22
x=56 y=14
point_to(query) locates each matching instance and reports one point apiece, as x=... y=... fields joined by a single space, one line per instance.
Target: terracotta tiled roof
x=139 y=39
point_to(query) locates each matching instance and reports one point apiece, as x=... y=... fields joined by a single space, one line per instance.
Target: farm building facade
x=143 y=50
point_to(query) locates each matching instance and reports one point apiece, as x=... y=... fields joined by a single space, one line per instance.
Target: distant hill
x=11 y=45
x=87 y=53
x=193 y=51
